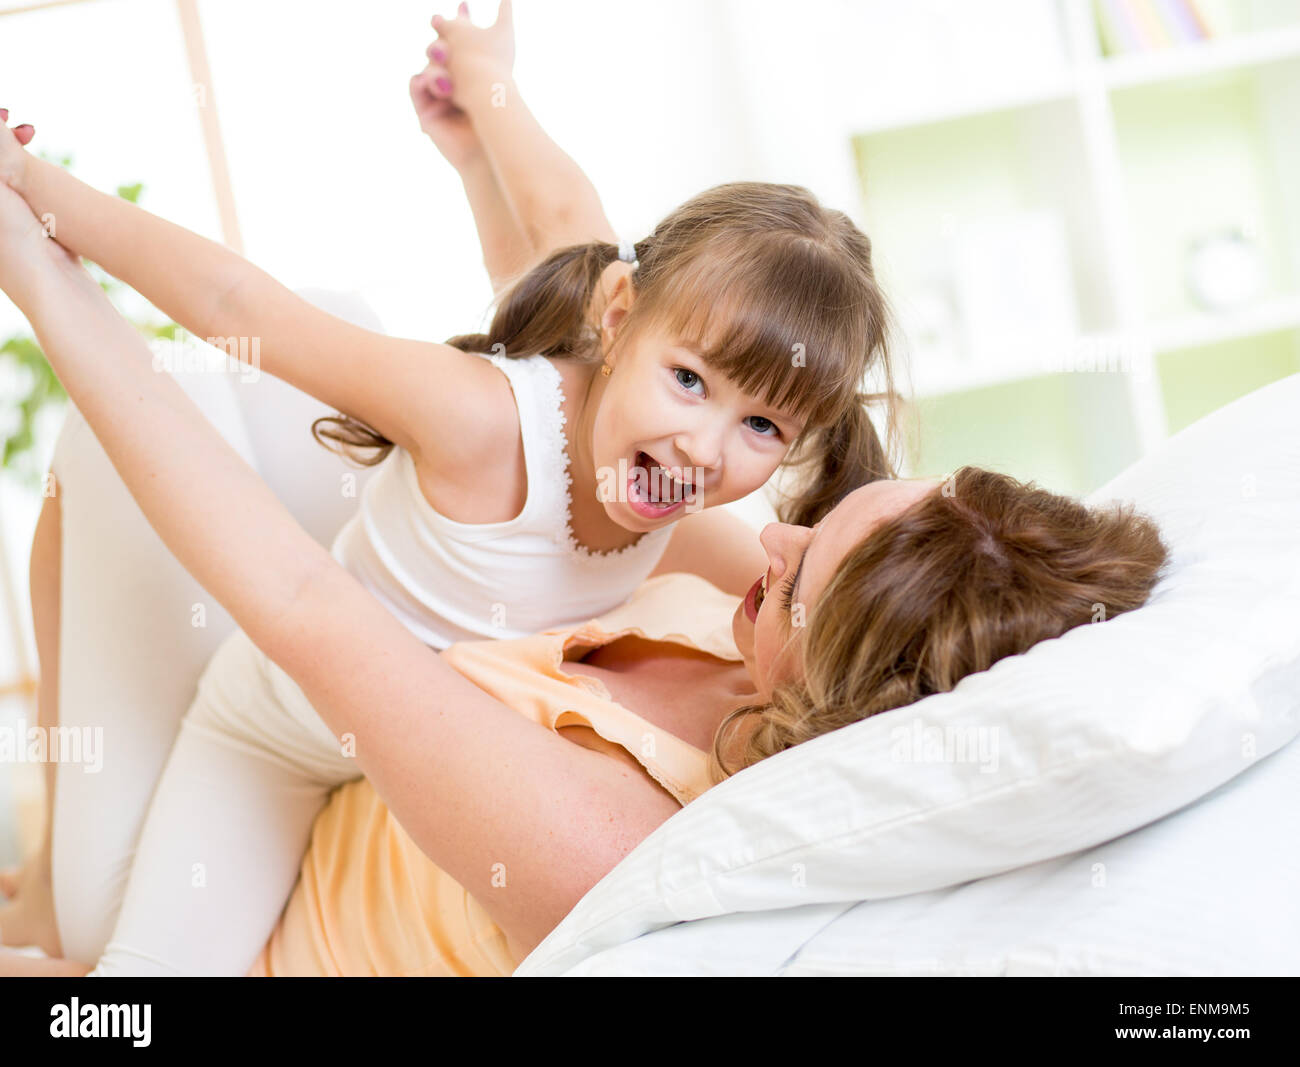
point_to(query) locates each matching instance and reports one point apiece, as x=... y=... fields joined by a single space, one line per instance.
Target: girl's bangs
x=769 y=326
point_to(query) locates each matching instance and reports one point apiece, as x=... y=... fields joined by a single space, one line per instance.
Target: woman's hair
x=983 y=568
x=776 y=291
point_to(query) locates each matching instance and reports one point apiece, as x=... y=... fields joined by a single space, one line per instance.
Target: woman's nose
x=782 y=543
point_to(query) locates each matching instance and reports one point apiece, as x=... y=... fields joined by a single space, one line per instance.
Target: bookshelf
x=1148 y=198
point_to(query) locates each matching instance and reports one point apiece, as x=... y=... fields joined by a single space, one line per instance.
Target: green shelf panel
x=1198 y=161
x=1068 y=432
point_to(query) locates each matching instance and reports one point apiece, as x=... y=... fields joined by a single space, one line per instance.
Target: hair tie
x=627 y=250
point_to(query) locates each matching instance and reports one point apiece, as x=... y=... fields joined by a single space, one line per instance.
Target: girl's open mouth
x=651 y=491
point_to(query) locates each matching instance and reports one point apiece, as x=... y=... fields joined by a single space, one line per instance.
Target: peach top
x=369 y=902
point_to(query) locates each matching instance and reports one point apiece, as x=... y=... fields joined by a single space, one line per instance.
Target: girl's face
x=672 y=435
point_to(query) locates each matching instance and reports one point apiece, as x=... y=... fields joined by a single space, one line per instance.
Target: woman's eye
x=763 y=426
x=687 y=379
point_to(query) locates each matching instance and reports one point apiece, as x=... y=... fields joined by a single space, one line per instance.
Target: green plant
x=39 y=386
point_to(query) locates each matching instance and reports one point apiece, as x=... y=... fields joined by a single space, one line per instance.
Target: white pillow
x=1208 y=890
x=1098 y=732
x=1147 y=903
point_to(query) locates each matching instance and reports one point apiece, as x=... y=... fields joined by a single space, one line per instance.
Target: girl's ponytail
x=544 y=312
x=843 y=455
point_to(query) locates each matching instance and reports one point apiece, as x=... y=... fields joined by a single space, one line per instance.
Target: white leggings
x=229 y=821
x=178 y=855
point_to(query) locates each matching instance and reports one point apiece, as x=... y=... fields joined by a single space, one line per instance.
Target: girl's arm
x=550 y=195
x=507 y=252
x=442 y=405
x=719 y=547
x=526 y=821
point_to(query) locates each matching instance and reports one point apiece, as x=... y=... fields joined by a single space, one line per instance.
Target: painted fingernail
x=443 y=84
x=439 y=55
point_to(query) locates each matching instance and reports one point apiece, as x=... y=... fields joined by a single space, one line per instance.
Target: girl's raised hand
x=474 y=56
x=13 y=153
x=447 y=125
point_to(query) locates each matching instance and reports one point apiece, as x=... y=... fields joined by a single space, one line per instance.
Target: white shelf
x=1121 y=72
x=1282 y=313
x=1104 y=351
x=1205 y=57
x=1055 y=90
x=1096 y=352
x=932 y=374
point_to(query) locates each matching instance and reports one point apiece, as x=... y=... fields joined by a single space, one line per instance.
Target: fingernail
x=443 y=84
x=439 y=55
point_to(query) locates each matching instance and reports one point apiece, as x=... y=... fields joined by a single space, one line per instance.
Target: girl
x=532 y=474
x=470 y=529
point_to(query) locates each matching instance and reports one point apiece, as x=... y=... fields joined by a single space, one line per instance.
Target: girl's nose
x=702 y=448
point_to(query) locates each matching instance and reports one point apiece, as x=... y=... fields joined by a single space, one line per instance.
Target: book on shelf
x=1147 y=25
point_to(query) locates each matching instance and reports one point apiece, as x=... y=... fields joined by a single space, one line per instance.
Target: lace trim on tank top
x=549 y=392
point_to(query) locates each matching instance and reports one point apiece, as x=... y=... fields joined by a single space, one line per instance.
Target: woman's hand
x=21 y=235
x=30 y=260
x=13 y=153
x=475 y=57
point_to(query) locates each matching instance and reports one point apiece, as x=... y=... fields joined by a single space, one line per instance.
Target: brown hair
x=983 y=568
x=787 y=285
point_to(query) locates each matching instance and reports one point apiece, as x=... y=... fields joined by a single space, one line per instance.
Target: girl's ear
x=621 y=298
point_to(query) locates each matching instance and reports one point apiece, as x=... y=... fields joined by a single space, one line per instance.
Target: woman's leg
x=28 y=919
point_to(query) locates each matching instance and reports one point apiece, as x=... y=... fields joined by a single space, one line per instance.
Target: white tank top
x=450 y=581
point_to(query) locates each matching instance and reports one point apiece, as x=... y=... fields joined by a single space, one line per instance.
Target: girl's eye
x=763 y=426
x=687 y=379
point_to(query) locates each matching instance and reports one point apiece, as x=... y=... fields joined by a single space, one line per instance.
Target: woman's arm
x=525 y=820
x=209 y=507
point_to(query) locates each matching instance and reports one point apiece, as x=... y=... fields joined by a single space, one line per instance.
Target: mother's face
x=802 y=562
